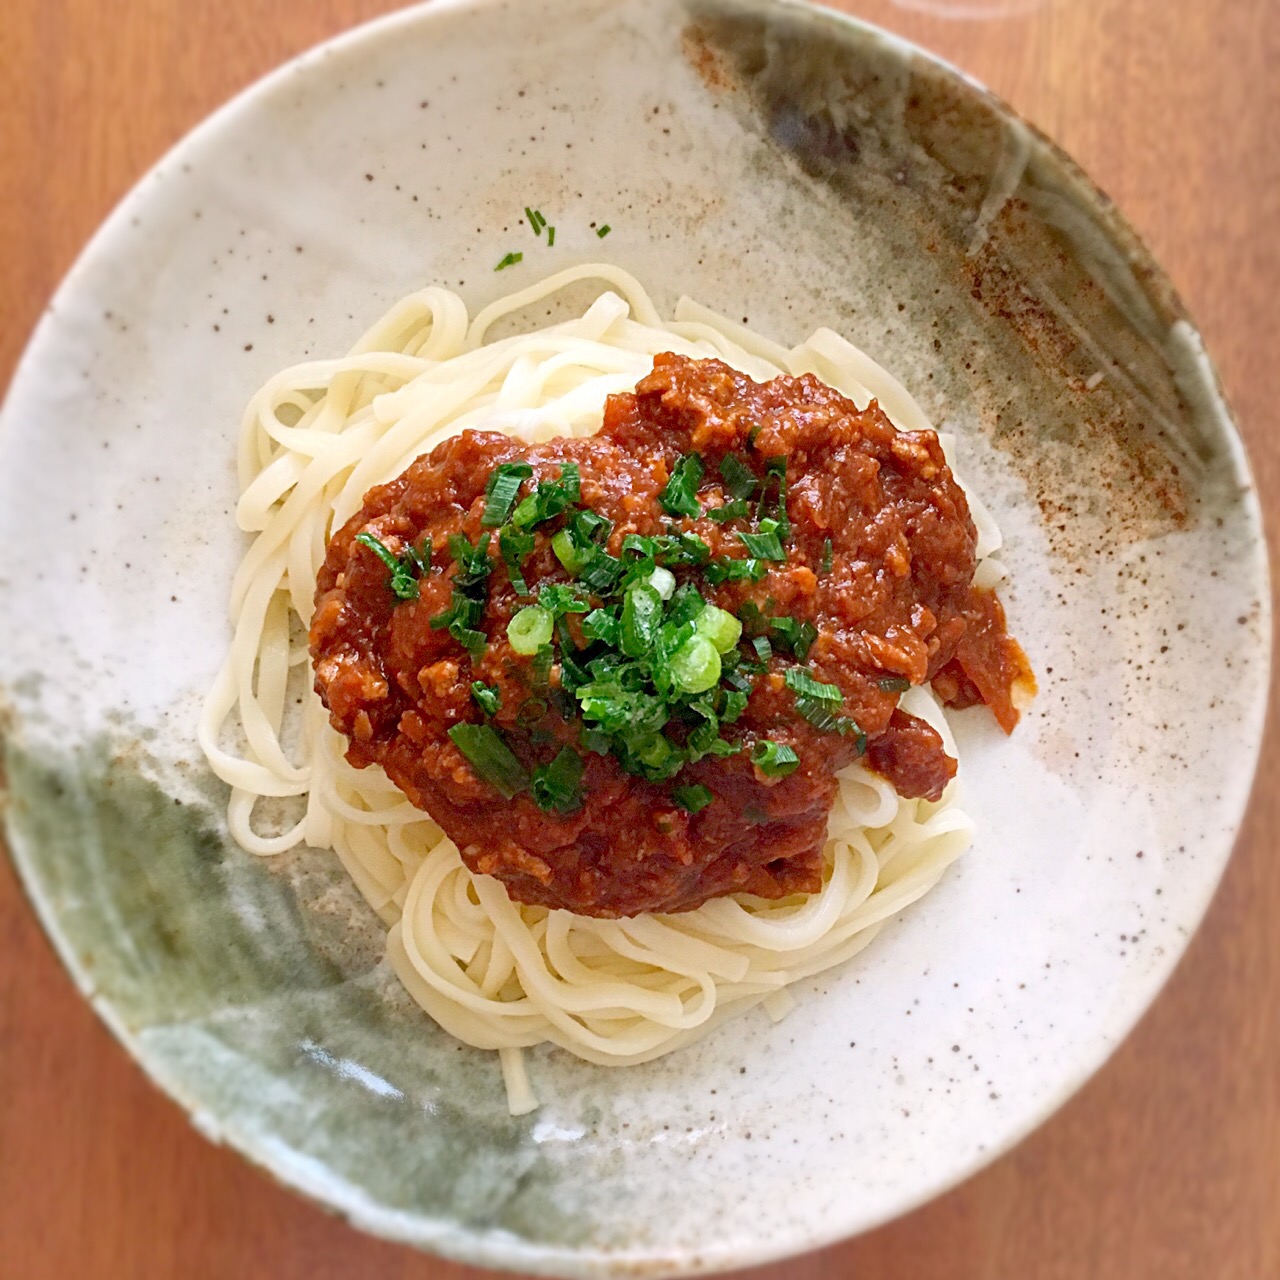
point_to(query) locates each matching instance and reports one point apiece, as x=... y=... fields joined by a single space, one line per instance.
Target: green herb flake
x=893 y=684
x=797 y=636
x=490 y=757
x=692 y=799
x=403 y=583
x=487 y=697
x=500 y=491
x=738 y=509
x=802 y=684
x=828 y=557
x=604 y=231
x=739 y=479
x=679 y=497
x=766 y=544
x=556 y=786
x=509 y=261
x=515 y=545
x=774 y=759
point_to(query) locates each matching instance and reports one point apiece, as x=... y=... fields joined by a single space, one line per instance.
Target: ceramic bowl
x=778 y=163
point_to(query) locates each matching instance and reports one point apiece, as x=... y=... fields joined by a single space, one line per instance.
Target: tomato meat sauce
x=877 y=577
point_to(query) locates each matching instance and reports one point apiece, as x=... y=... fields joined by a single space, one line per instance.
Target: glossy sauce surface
x=879 y=558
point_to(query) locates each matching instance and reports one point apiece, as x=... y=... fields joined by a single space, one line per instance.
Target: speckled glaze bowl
x=779 y=163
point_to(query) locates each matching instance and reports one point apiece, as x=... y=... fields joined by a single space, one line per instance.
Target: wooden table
x=1168 y=1164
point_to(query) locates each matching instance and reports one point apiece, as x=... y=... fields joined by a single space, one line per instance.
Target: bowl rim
x=497 y=1249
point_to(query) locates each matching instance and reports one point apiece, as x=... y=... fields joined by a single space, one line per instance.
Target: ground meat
x=880 y=559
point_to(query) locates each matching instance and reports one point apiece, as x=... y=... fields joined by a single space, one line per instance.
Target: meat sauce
x=880 y=559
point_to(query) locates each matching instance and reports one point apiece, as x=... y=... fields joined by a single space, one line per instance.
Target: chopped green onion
x=500 y=491
x=828 y=557
x=515 y=545
x=801 y=683
x=556 y=786
x=551 y=237
x=798 y=636
x=487 y=696
x=719 y=626
x=543 y=660
x=765 y=544
x=764 y=650
x=685 y=605
x=776 y=469
x=591 y=526
x=641 y=546
x=473 y=642
x=463 y=611
x=679 y=497
x=726 y=570
x=692 y=799
x=601 y=572
x=738 y=477
x=530 y=629
x=572 y=554
x=695 y=666
x=894 y=684
x=735 y=703
x=738 y=509
x=551 y=498
x=536 y=220
x=509 y=261
x=604 y=231
x=490 y=757
x=663 y=581
x=474 y=565
x=774 y=759
x=825 y=718
x=402 y=582
x=682 y=548
x=603 y=625
x=641 y=617
x=557 y=599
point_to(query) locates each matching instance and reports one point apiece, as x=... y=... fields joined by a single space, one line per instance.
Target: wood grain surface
x=1168 y=1164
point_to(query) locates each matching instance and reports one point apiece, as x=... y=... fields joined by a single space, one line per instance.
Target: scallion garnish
x=500 y=491
x=828 y=556
x=551 y=237
x=515 y=545
x=738 y=509
x=801 y=683
x=509 y=261
x=490 y=757
x=530 y=629
x=774 y=759
x=738 y=477
x=558 y=599
x=550 y=499
x=487 y=697
x=641 y=617
x=402 y=581
x=797 y=636
x=725 y=570
x=692 y=799
x=695 y=666
x=679 y=497
x=604 y=231
x=766 y=543
x=719 y=626
x=557 y=786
